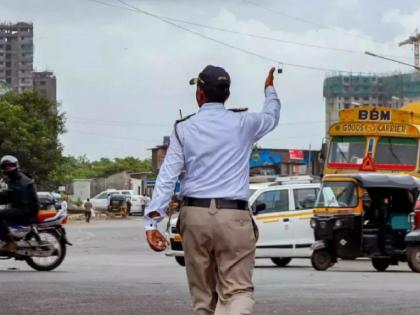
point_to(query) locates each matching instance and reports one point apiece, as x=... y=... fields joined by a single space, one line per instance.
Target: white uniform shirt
x=215 y=149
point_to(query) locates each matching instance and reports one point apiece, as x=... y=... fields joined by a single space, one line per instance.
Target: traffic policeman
x=212 y=149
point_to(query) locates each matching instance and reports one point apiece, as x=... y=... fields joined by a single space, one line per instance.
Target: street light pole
x=393 y=60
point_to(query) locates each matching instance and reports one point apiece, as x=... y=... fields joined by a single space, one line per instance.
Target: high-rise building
x=16 y=55
x=345 y=91
x=45 y=83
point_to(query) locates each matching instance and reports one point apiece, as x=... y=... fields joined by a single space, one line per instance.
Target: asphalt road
x=110 y=270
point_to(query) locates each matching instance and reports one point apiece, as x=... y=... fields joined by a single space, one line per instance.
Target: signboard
x=369 y=114
x=296 y=154
x=358 y=128
x=263 y=157
x=374 y=115
x=62 y=188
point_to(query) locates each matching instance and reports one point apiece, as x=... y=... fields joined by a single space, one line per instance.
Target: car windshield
x=396 y=151
x=347 y=150
x=337 y=195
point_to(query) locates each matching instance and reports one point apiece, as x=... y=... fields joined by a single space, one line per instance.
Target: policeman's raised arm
x=166 y=181
x=265 y=121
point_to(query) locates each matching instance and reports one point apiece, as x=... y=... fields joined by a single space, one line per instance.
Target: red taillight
x=417 y=219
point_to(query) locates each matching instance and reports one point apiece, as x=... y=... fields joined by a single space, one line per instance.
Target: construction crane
x=415 y=41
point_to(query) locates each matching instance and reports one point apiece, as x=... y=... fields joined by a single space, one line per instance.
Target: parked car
x=282 y=211
x=101 y=200
x=135 y=201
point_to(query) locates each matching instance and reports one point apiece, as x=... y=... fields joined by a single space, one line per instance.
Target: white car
x=282 y=211
x=101 y=200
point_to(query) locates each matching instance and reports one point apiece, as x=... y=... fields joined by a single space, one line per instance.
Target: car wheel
x=321 y=260
x=180 y=261
x=381 y=264
x=281 y=262
x=413 y=258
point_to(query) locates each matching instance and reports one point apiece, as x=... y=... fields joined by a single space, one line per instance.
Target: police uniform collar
x=207 y=106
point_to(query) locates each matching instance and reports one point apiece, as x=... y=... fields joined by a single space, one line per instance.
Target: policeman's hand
x=156 y=240
x=270 y=78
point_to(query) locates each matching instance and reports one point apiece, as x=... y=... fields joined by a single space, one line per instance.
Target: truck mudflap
x=413 y=237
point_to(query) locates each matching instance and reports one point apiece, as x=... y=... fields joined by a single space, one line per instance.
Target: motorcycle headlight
x=313 y=223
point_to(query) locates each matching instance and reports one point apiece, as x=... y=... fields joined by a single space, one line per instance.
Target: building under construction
x=16 y=56
x=344 y=91
x=16 y=63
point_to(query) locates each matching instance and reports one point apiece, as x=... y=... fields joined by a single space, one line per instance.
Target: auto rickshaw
x=367 y=215
x=118 y=205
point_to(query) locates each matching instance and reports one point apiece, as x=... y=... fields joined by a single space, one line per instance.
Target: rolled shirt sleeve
x=166 y=181
x=265 y=121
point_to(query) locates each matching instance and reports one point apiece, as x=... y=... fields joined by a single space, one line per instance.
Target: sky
x=122 y=73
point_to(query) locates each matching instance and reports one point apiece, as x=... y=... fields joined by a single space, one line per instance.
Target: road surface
x=110 y=270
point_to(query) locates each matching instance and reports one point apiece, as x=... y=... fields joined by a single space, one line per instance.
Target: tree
x=29 y=130
x=72 y=168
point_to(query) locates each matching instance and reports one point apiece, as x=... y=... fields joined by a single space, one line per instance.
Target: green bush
x=79 y=202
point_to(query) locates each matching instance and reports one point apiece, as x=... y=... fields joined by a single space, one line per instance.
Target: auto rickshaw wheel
x=321 y=259
x=413 y=257
x=281 y=262
x=180 y=260
x=381 y=264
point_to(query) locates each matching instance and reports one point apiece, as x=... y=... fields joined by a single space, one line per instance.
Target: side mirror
x=258 y=208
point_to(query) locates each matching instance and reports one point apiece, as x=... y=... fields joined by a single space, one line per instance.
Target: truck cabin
x=375 y=138
x=386 y=153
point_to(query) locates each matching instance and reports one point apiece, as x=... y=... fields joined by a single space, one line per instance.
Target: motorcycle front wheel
x=51 y=262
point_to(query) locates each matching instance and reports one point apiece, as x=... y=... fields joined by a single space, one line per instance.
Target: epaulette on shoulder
x=238 y=110
x=184 y=119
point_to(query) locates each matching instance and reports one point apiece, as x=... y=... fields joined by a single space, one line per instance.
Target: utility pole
x=415 y=41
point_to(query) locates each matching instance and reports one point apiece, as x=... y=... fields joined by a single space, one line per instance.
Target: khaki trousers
x=219 y=247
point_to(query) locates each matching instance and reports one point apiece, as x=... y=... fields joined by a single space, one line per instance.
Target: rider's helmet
x=9 y=164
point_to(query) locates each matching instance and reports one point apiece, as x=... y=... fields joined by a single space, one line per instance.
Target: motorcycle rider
x=20 y=197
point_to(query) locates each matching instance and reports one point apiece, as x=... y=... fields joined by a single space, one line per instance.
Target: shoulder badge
x=238 y=110
x=176 y=131
x=184 y=119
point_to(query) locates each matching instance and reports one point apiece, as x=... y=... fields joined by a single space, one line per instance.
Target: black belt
x=221 y=203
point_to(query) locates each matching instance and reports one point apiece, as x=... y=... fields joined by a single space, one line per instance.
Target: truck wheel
x=321 y=259
x=281 y=262
x=413 y=258
x=180 y=261
x=381 y=264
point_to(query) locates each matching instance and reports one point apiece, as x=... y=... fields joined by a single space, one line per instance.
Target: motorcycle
x=42 y=244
